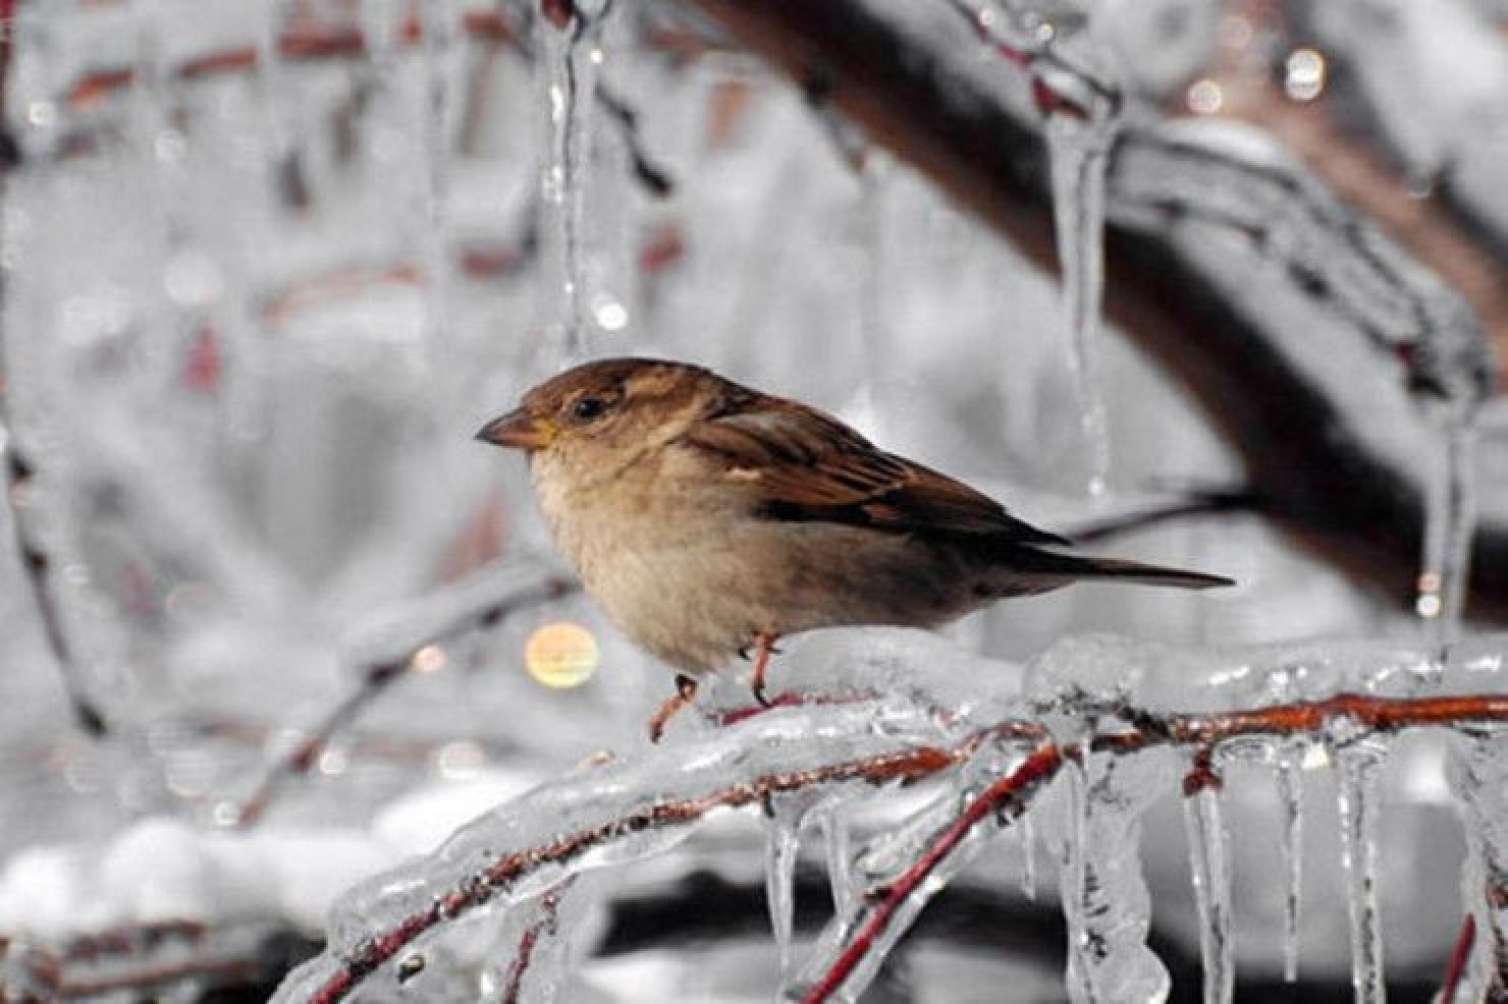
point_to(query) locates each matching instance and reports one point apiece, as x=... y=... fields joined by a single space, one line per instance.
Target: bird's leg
x=764 y=647
x=685 y=691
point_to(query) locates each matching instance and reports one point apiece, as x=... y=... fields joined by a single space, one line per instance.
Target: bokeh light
x=561 y=655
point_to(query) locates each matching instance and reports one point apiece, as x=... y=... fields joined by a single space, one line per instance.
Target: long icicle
x=1074 y=874
x=1028 y=840
x=1208 y=862
x=1360 y=763
x=568 y=45
x=838 y=846
x=1450 y=520
x=1079 y=152
x=783 y=844
x=1290 y=780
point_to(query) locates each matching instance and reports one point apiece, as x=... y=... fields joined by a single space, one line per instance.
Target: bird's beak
x=518 y=430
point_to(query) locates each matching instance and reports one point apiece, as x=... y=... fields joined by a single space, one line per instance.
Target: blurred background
x=268 y=265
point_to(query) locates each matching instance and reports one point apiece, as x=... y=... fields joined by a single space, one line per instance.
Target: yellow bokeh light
x=561 y=655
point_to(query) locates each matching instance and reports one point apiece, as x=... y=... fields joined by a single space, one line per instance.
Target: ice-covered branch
x=410 y=639
x=611 y=816
x=1223 y=256
x=1106 y=711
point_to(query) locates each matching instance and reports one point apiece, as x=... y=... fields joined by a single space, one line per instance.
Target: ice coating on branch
x=1105 y=896
x=611 y=816
x=1222 y=186
x=1209 y=865
x=392 y=632
x=1290 y=781
x=568 y=55
x=1479 y=780
x=1105 y=673
x=1359 y=764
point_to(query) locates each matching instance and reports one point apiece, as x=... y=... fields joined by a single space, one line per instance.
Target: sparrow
x=708 y=519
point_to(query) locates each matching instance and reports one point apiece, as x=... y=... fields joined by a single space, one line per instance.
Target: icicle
x=838 y=846
x=1210 y=868
x=437 y=20
x=533 y=949
x=287 y=168
x=569 y=55
x=1450 y=519
x=1359 y=763
x=1291 y=794
x=1479 y=778
x=781 y=848
x=1079 y=151
x=1105 y=899
x=1073 y=876
x=1024 y=832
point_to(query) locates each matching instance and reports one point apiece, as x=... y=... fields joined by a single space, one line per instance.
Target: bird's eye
x=588 y=408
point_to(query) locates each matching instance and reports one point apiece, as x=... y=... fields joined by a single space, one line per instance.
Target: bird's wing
x=804 y=465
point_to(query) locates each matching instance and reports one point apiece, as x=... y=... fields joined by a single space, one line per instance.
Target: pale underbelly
x=695 y=598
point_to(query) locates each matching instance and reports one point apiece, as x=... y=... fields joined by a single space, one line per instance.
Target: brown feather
x=808 y=466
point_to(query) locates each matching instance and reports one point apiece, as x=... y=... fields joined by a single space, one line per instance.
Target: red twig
x=1009 y=794
x=1459 y=956
x=547 y=924
x=304 y=39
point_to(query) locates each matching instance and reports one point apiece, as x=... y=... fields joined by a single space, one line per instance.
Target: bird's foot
x=685 y=692
x=764 y=647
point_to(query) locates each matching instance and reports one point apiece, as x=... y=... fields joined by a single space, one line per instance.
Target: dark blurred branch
x=151 y=962
x=902 y=77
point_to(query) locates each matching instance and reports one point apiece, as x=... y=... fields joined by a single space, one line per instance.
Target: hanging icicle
x=1360 y=764
x=1209 y=850
x=438 y=25
x=1078 y=150
x=1450 y=520
x=782 y=845
x=1290 y=780
x=568 y=37
x=838 y=849
x=1027 y=838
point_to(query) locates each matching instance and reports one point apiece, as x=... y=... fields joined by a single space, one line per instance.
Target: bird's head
x=603 y=408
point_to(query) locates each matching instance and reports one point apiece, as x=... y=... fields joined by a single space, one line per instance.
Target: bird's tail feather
x=1072 y=566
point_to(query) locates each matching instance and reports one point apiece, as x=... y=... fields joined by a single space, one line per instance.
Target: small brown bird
x=709 y=519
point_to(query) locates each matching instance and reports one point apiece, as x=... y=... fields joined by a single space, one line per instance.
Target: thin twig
x=375 y=678
x=547 y=925
x=1460 y=954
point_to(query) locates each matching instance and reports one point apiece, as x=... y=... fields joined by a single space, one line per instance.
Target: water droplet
x=1205 y=97
x=460 y=760
x=1304 y=74
x=429 y=659
x=611 y=315
x=42 y=114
